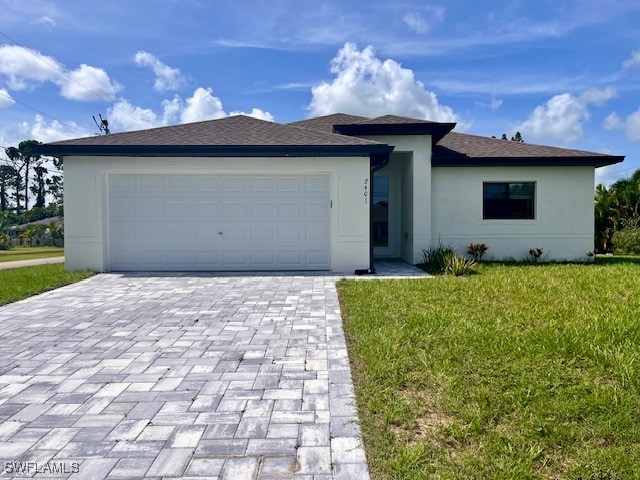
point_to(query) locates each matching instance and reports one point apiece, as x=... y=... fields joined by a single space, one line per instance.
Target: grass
x=19 y=283
x=30 y=253
x=520 y=371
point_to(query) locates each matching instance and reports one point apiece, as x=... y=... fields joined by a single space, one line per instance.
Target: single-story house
x=327 y=193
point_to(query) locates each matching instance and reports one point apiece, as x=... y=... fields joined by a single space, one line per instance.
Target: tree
x=17 y=185
x=23 y=158
x=616 y=208
x=517 y=138
x=7 y=174
x=39 y=188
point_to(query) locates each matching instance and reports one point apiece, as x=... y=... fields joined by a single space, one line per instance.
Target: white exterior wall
x=563 y=226
x=85 y=200
x=417 y=180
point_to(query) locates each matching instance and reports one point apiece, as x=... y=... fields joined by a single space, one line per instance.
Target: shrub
x=626 y=240
x=476 y=250
x=436 y=257
x=535 y=254
x=5 y=241
x=458 y=265
x=443 y=259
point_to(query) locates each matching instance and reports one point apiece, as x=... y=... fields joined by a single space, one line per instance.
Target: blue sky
x=564 y=73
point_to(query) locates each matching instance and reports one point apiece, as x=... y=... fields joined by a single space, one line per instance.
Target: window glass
x=504 y=201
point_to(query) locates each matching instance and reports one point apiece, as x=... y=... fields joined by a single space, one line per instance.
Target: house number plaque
x=366 y=190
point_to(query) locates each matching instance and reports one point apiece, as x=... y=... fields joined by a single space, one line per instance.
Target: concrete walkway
x=195 y=375
x=30 y=263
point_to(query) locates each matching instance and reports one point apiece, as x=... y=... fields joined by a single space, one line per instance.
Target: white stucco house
x=328 y=193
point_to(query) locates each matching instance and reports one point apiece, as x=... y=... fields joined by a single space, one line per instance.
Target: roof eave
x=568 y=161
x=215 y=150
x=436 y=130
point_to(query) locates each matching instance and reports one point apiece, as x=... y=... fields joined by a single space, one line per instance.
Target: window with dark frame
x=508 y=200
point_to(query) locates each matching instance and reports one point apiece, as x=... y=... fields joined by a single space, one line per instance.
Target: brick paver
x=126 y=376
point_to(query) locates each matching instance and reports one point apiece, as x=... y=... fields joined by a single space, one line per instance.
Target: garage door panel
x=151 y=184
x=172 y=222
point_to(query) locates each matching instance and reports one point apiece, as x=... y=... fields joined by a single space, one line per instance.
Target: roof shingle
x=238 y=130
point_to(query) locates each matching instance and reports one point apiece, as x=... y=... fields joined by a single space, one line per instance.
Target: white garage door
x=218 y=222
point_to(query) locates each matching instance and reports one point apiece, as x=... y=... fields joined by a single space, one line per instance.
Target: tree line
x=26 y=177
x=617 y=216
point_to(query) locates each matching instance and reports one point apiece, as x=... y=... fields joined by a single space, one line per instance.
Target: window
x=503 y=201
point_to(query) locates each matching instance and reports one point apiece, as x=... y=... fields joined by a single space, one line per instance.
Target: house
x=327 y=193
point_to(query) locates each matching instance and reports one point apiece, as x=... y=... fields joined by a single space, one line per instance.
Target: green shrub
x=443 y=259
x=5 y=241
x=458 y=265
x=626 y=240
x=437 y=256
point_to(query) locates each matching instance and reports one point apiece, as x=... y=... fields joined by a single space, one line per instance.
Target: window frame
x=508 y=183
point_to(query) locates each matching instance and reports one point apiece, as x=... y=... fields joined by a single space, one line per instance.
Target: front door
x=384 y=215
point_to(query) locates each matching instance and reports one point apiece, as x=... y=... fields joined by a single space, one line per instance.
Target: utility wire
x=73 y=79
x=45 y=114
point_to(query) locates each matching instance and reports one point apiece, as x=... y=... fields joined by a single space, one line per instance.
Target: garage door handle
x=219 y=233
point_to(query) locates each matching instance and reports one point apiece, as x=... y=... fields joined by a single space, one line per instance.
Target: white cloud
x=23 y=68
x=95 y=79
x=167 y=78
x=494 y=104
x=256 y=113
x=46 y=21
x=633 y=60
x=365 y=85
x=630 y=125
x=53 y=131
x=202 y=105
x=5 y=99
x=416 y=21
x=562 y=117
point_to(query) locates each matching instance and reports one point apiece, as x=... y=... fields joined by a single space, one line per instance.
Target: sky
x=563 y=73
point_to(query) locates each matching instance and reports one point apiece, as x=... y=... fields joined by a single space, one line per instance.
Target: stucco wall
x=85 y=200
x=563 y=226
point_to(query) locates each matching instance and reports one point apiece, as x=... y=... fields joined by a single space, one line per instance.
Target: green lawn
x=516 y=372
x=19 y=283
x=30 y=253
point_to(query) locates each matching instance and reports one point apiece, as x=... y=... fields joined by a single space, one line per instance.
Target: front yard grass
x=19 y=283
x=518 y=371
x=30 y=253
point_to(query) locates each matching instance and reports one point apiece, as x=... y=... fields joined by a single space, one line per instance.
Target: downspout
x=378 y=161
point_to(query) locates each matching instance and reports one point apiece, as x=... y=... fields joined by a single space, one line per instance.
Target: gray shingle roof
x=393 y=120
x=455 y=148
x=326 y=122
x=239 y=130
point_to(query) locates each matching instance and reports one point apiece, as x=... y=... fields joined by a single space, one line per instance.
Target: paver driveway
x=179 y=376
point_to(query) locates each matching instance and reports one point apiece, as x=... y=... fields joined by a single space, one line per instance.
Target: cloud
x=632 y=61
x=95 y=79
x=562 y=116
x=416 y=22
x=46 y=21
x=365 y=85
x=39 y=130
x=629 y=125
x=24 y=68
x=5 y=99
x=494 y=104
x=202 y=105
x=256 y=113
x=167 y=78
